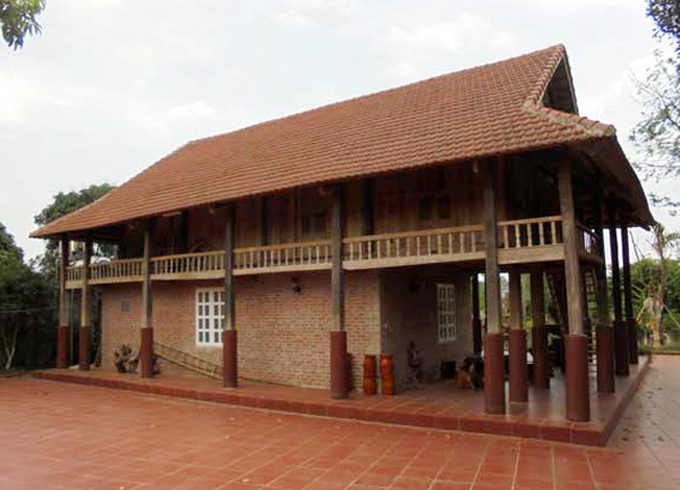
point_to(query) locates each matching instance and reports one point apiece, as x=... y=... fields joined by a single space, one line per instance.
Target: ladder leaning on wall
x=187 y=360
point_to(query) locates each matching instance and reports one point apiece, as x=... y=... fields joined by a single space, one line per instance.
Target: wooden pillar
x=476 y=319
x=494 y=364
x=339 y=367
x=264 y=221
x=368 y=218
x=84 y=335
x=64 y=329
x=605 y=334
x=620 y=333
x=230 y=341
x=631 y=327
x=519 y=392
x=146 y=330
x=539 y=337
x=576 y=343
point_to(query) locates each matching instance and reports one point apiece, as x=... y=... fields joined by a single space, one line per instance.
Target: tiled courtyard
x=67 y=436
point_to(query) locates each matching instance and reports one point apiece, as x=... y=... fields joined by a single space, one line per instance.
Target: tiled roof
x=489 y=110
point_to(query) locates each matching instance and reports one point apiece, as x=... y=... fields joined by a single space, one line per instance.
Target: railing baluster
x=553 y=232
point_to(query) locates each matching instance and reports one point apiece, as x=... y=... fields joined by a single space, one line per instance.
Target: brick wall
x=409 y=313
x=283 y=337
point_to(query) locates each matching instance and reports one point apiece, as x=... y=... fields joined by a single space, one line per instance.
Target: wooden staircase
x=187 y=360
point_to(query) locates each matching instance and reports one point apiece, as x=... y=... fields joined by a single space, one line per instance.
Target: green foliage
x=25 y=300
x=61 y=205
x=666 y=16
x=18 y=18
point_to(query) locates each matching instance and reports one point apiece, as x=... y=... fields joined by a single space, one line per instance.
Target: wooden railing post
x=84 y=334
x=576 y=343
x=338 y=352
x=230 y=343
x=494 y=369
x=64 y=332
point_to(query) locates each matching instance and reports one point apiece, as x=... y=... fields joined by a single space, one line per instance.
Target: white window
x=446 y=312
x=209 y=316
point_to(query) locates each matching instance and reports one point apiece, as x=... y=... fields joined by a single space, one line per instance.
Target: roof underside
x=491 y=110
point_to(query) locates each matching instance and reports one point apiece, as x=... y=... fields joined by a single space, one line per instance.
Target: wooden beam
x=492 y=280
x=337 y=272
x=539 y=337
x=368 y=218
x=571 y=259
x=518 y=342
x=576 y=343
x=631 y=326
x=146 y=331
x=620 y=331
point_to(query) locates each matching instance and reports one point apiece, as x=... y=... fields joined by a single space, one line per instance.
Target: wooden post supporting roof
x=631 y=327
x=64 y=332
x=476 y=320
x=339 y=367
x=494 y=369
x=539 y=337
x=605 y=334
x=146 y=331
x=84 y=334
x=620 y=333
x=230 y=340
x=576 y=343
x=519 y=392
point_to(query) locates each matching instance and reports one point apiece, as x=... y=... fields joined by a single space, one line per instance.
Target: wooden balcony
x=520 y=241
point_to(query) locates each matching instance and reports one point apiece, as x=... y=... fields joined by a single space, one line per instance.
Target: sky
x=111 y=86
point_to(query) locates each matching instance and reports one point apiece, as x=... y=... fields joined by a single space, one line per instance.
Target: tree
x=18 y=18
x=63 y=204
x=657 y=274
x=24 y=298
x=657 y=135
x=666 y=16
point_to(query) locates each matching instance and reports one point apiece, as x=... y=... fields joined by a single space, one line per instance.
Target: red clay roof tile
x=489 y=110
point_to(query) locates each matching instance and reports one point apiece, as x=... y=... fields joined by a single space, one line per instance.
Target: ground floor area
x=65 y=436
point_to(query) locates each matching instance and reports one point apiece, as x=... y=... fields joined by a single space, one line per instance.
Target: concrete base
x=519 y=389
x=230 y=359
x=494 y=374
x=339 y=378
x=84 y=349
x=578 y=390
x=63 y=343
x=146 y=353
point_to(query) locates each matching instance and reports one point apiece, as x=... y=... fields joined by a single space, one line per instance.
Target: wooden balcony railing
x=290 y=256
x=188 y=265
x=414 y=246
x=535 y=232
x=520 y=241
x=115 y=271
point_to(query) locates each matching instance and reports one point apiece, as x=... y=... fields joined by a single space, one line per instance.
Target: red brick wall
x=283 y=337
x=409 y=313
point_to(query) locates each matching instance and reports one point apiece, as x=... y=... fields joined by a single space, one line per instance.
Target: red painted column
x=575 y=343
x=631 y=326
x=230 y=341
x=338 y=346
x=476 y=320
x=146 y=331
x=539 y=337
x=519 y=391
x=494 y=363
x=84 y=334
x=620 y=330
x=64 y=329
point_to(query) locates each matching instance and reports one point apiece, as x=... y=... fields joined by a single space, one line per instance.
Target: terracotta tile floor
x=440 y=405
x=67 y=436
